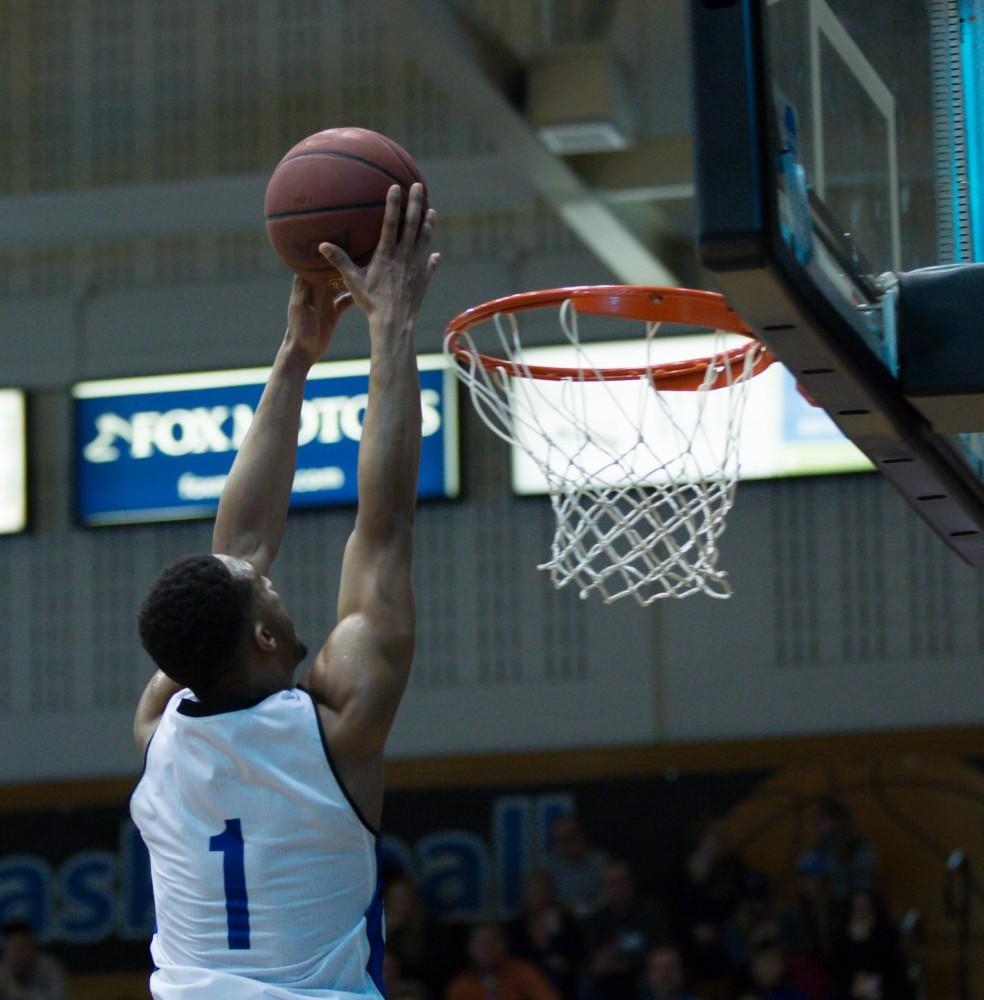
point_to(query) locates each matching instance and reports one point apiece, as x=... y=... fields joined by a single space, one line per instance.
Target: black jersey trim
x=203 y=709
x=334 y=770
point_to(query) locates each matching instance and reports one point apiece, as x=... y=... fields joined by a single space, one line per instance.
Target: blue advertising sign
x=160 y=448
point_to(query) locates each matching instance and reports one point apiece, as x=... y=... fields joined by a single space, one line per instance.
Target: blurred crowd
x=715 y=930
x=589 y=930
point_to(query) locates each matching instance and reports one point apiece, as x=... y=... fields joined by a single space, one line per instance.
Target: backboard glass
x=832 y=151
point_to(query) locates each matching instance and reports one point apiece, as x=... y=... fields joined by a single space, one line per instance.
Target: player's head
x=208 y=618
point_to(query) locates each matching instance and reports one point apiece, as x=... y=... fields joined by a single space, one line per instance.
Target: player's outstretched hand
x=312 y=314
x=392 y=287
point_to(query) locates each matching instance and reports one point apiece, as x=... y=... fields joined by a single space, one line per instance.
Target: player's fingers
x=342 y=302
x=426 y=229
x=415 y=208
x=298 y=292
x=340 y=259
x=391 y=219
x=432 y=262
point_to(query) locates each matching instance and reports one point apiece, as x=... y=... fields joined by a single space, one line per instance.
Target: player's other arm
x=150 y=708
x=361 y=672
x=253 y=509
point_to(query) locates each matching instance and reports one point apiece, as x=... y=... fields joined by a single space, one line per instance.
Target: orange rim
x=648 y=303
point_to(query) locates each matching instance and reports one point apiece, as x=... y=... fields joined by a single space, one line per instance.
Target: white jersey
x=265 y=876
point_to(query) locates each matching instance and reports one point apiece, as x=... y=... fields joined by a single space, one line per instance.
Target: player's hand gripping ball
x=331 y=188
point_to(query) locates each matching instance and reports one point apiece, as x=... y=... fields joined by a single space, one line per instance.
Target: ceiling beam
x=222 y=205
x=480 y=81
x=659 y=168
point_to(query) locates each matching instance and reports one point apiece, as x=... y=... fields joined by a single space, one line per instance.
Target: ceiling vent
x=578 y=99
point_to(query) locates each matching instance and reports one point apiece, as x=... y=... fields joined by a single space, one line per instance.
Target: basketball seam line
x=351 y=156
x=391 y=146
x=336 y=208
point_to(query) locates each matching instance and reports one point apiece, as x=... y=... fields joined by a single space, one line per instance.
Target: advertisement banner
x=160 y=448
x=13 y=462
x=781 y=435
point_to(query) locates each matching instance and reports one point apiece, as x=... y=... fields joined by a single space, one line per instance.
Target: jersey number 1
x=230 y=844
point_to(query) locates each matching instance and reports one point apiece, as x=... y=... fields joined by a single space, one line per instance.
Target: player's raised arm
x=359 y=675
x=253 y=509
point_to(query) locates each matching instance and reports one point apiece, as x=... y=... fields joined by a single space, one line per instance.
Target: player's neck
x=251 y=683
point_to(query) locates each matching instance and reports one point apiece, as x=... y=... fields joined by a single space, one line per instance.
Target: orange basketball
x=331 y=187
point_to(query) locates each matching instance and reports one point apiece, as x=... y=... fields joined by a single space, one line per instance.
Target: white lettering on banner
x=331 y=477
x=219 y=429
x=430 y=412
x=192 y=487
x=110 y=428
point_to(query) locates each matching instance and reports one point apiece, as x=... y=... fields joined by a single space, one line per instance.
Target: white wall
x=847 y=614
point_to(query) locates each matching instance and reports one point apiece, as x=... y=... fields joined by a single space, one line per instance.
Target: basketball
x=331 y=187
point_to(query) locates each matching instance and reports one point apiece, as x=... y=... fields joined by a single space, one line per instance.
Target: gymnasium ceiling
x=132 y=119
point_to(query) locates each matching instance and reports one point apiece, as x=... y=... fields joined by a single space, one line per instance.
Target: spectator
x=815 y=910
x=620 y=934
x=398 y=988
x=495 y=974
x=868 y=963
x=577 y=868
x=26 y=972
x=418 y=941
x=839 y=855
x=705 y=891
x=768 y=974
x=547 y=935
x=663 y=978
x=758 y=916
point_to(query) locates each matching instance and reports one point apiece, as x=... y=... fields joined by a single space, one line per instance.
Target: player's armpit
x=357 y=682
x=360 y=675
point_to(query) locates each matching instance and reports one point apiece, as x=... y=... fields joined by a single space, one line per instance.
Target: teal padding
x=972 y=58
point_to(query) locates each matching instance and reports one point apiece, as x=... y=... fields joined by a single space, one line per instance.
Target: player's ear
x=264 y=638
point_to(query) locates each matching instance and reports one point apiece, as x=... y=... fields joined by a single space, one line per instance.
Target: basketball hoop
x=630 y=520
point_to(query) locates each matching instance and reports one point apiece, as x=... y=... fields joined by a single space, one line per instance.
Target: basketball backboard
x=835 y=148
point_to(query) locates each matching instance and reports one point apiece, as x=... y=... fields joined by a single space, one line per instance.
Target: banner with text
x=160 y=448
x=13 y=462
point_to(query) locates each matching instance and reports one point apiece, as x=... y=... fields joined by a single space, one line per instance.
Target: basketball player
x=260 y=801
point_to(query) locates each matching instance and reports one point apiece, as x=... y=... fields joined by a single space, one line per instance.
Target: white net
x=640 y=485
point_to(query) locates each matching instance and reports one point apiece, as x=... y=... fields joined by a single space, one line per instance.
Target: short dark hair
x=192 y=621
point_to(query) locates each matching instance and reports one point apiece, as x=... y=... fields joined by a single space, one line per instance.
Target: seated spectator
x=26 y=972
x=419 y=941
x=620 y=934
x=768 y=975
x=494 y=973
x=758 y=916
x=868 y=963
x=547 y=935
x=705 y=890
x=663 y=979
x=838 y=854
x=577 y=868
x=398 y=988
